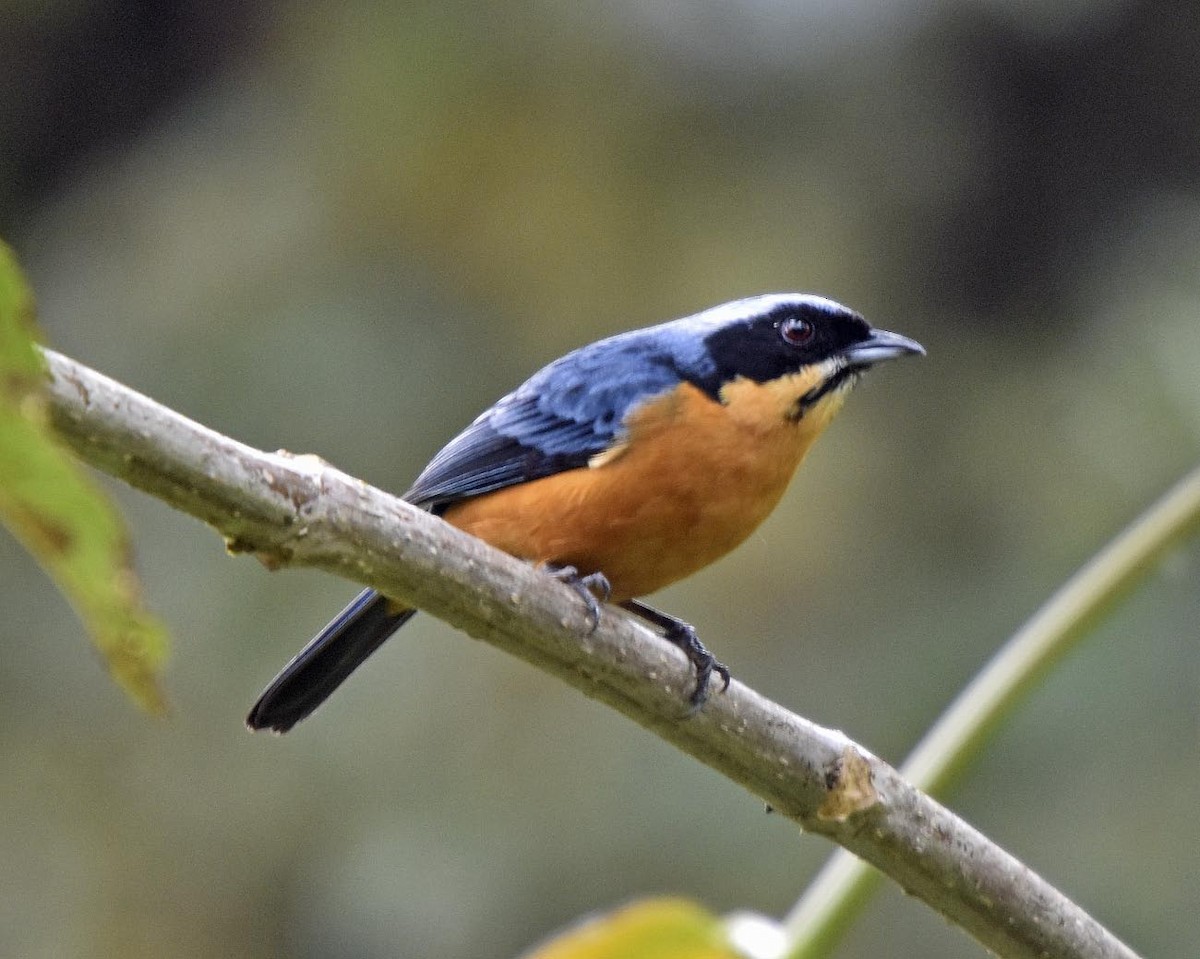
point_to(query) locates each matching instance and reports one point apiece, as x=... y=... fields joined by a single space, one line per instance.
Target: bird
x=625 y=466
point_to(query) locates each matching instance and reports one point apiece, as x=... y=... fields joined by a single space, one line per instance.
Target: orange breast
x=691 y=481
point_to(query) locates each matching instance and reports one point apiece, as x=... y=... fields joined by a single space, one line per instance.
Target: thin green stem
x=844 y=886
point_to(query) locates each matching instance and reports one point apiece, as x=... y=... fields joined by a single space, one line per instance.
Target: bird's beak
x=879 y=346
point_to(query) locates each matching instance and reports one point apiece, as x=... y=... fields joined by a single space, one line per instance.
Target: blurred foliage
x=348 y=229
x=63 y=520
x=651 y=929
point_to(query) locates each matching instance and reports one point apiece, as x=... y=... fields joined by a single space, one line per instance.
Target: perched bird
x=625 y=466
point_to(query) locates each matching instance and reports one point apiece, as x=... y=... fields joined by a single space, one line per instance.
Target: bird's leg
x=684 y=636
x=588 y=587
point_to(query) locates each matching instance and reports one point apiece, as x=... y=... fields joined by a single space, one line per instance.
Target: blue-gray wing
x=557 y=420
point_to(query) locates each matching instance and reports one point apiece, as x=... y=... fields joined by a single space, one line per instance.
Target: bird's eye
x=796 y=331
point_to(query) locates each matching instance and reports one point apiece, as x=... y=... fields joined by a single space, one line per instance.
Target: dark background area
x=347 y=229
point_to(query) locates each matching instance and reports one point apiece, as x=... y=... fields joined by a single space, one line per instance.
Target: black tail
x=323 y=665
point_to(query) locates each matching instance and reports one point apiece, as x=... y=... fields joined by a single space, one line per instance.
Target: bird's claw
x=705 y=663
x=588 y=587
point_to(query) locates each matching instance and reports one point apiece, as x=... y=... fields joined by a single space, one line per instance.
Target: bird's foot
x=684 y=636
x=588 y=587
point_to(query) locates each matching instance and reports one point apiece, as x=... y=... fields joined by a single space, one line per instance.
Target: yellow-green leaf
x=60 y=516
x=649 y=929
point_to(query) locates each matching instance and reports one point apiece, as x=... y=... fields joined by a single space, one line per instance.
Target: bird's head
x=798 y=353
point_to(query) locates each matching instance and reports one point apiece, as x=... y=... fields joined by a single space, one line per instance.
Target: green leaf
x=60 y=516
x=649 y=929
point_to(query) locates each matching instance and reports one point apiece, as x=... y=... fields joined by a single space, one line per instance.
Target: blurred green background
x=345 y=229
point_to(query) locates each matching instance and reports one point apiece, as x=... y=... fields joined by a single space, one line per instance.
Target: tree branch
x=299 y=511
